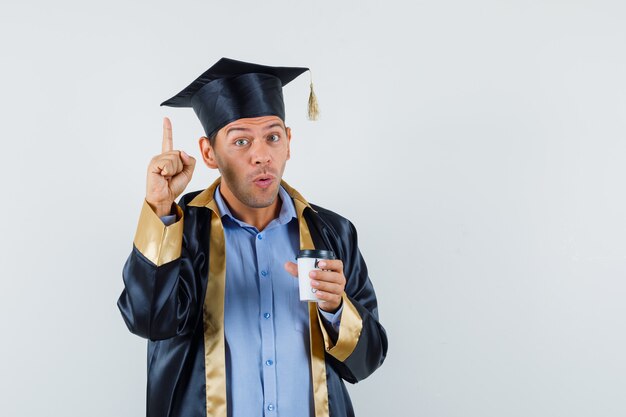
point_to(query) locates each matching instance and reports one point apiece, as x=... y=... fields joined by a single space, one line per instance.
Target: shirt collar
x=287 y=210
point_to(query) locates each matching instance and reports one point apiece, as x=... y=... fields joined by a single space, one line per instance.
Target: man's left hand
x=329 y=282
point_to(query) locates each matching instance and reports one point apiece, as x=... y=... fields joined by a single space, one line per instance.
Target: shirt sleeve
x=169 y=219
x=331 y=321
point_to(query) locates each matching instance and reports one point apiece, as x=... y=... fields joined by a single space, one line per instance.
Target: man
x=211 y=283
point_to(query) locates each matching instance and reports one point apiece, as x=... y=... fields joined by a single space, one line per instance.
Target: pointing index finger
x=168 y=142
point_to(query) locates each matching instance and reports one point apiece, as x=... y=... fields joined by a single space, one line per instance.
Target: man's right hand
x=168 y=174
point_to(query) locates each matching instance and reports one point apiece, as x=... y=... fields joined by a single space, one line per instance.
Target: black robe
x=173 y=296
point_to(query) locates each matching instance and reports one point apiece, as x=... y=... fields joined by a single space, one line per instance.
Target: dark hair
x=212 y=139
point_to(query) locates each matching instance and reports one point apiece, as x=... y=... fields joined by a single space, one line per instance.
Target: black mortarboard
x=232 y=90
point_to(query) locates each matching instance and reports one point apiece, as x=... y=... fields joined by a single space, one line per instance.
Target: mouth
x=264 y=181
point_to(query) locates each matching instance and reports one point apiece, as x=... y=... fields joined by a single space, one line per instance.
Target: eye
x=273 y=138
x=241 y=142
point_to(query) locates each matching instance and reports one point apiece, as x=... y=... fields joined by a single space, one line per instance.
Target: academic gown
x=173 y=295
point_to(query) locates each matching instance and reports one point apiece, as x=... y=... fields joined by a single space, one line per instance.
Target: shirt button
x=267 y=315
x=270 y=407
x=264 y=273
x=269 y=362
x=260 y=236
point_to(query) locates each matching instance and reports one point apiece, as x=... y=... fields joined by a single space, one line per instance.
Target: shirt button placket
x=267 y=326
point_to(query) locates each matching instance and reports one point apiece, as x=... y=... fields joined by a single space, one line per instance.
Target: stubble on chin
x=248 y=198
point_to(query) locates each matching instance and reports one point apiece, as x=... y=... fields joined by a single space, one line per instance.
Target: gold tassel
x=314 y=110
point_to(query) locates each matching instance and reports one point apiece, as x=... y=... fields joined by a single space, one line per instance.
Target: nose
x=260 y=153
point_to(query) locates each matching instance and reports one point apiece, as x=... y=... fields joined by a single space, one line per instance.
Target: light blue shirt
x=266 y=326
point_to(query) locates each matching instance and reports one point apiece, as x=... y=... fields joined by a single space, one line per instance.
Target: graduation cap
x=232 y=90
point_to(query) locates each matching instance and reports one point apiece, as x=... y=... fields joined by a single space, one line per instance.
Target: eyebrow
x=237 y=129
x=245 y=129
x=275 y=125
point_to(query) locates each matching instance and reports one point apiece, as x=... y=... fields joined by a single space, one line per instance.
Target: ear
x=288 y=131
x=207 y=152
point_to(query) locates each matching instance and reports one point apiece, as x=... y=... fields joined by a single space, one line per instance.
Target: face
x=251 y=155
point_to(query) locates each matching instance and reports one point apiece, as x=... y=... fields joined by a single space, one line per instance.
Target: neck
x=257 y=217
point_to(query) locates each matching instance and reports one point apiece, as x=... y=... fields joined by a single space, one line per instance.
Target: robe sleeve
x=361 y=345
x=161 y=296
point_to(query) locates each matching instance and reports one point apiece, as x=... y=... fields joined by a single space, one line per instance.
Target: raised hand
x=168 y=174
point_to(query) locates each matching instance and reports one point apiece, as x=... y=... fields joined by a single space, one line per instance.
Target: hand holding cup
x=324 y=283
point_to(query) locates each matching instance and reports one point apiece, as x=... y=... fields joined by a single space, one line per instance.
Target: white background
x=477 y=146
